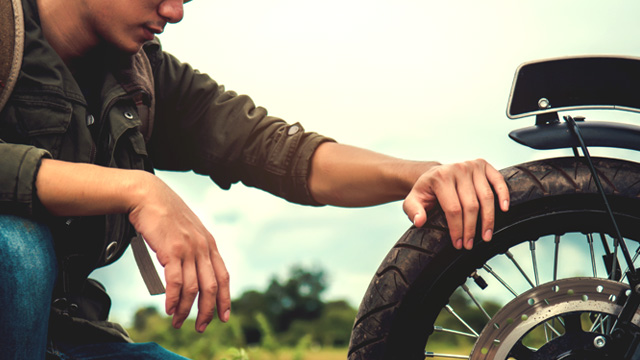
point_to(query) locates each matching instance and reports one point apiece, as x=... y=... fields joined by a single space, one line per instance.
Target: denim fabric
x=119 y=351
x=28 y=271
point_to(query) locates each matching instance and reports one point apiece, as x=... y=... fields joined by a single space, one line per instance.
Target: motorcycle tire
x=550 y=197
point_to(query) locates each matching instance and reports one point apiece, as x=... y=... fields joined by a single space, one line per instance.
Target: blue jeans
x=28 y=272
x=116 y=351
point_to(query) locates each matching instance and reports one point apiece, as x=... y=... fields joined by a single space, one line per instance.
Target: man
x=96 y=103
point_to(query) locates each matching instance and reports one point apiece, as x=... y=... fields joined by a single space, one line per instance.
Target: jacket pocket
x=130 y=151
x=41 y=122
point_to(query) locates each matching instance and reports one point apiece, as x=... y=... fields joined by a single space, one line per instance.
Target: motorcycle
x=559 y=280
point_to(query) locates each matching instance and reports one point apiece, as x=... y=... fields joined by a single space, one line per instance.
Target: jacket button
x=111 y=250
x=90 y=120
x=128 y=115
x=293 y=130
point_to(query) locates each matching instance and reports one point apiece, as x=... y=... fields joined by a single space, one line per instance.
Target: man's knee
x=26 y=250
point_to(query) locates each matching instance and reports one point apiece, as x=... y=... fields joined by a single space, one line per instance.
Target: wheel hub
x=563 y=301
x=578 y=345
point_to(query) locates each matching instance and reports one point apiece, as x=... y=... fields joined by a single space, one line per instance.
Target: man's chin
x=127 y=49
x=131 y=49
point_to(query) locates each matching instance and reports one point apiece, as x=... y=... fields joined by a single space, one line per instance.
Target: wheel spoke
x=452 y=312
x=597 y=322
x=601 y=321
x=546 y=332
x=555 y=257
x=475 y=301
x=454 y=332
x=493 y=273
x=635 y=257
x=552 y=328
x=513 y=260
x=602 y=329
x=431 y=355
x=593 y=257
x=532 y=248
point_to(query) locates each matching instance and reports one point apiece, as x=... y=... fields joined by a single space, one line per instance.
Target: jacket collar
x=44 y=70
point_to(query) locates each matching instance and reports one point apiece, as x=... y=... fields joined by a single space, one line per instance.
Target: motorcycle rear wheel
x=555 y=209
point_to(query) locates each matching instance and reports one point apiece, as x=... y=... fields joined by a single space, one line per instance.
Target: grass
x=293 y=354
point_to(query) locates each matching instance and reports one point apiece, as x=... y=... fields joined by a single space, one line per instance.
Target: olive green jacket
x=154 y=112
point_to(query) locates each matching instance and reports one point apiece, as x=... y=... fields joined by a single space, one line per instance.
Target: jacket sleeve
x=19 y=166
x=199 y=126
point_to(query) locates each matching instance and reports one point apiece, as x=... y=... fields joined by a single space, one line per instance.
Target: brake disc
x=536 y=306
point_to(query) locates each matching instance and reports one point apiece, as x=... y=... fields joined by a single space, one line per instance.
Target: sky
x=415 y=79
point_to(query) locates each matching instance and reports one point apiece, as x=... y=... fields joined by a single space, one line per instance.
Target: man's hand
x=188 y=252
x=463 y=190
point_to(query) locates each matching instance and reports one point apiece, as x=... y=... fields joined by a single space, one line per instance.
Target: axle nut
x=599 y=342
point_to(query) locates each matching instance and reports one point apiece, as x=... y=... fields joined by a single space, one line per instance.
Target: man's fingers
x=415 y=210
x=464 y=191
x=452 y=208
x=224 y=290
x=208 y=287
x=173 y=279
x=486 y=200
x=499 y=185
x=187 y=294
x=470 y=207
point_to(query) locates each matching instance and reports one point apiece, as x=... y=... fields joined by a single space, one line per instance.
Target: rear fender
x=595 y=133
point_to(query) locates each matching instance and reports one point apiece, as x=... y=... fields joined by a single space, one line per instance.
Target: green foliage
x=237 y=354
x=151 y=326
x=298 y=297
x=289 y=314
x=268 y=340
x=303 y=345
x=293 y=309
x=331 y=329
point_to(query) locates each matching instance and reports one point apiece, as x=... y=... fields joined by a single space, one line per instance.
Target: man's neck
x=70 y=37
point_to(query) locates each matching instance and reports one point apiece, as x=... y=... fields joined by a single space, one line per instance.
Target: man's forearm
x=344 y=175
x=74 y=189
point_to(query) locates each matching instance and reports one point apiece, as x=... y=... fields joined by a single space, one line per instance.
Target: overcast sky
x=417 y=79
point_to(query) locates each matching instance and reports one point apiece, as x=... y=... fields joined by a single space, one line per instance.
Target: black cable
x=619 y=240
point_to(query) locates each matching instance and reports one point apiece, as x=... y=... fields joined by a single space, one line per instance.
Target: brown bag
x=11 y=46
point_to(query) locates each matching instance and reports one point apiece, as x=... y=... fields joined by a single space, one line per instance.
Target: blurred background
x=416 y=79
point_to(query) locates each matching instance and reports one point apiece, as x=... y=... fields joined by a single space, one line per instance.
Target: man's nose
x=171 y=10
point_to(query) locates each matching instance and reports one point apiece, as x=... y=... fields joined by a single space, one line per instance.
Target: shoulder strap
x=146 y=267
x=11 y=46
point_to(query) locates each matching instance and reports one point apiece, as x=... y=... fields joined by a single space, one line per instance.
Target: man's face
x=127 y=24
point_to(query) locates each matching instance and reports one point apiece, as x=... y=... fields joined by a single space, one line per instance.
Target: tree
x=331 y=329
x=296 y=298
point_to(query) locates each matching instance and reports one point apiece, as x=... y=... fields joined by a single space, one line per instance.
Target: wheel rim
x=541 y=303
